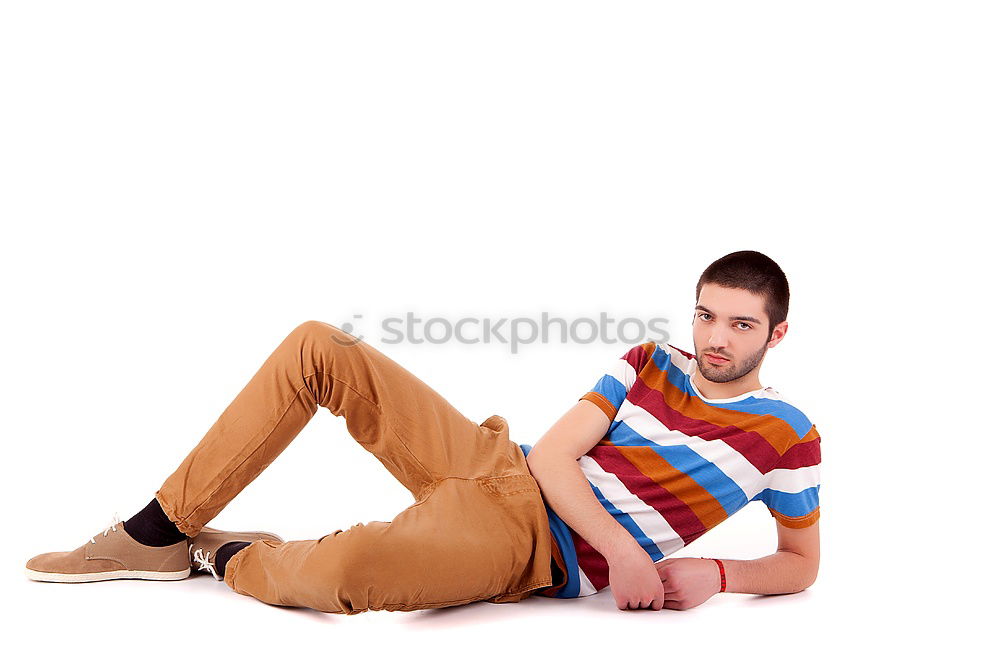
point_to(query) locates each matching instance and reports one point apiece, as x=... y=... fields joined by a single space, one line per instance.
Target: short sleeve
x=611 y=388
x=792 y=491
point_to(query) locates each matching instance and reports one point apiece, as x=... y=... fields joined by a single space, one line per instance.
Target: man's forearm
x=568 y=493
x=782 y=572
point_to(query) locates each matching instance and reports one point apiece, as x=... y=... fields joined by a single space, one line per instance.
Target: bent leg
x=409 y=427
x=467 y=540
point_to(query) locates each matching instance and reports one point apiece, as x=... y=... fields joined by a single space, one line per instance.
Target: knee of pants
x=315 y=345
x=315 y=329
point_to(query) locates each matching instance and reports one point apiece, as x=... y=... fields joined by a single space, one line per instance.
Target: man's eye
x=748 y=327
x=703 y=315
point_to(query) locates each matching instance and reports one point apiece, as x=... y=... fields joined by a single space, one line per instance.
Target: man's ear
x=779 y=332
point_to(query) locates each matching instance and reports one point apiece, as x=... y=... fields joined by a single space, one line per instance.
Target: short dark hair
x=756 y=273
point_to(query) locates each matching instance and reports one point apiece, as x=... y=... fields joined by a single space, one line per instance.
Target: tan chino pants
x=477 y=530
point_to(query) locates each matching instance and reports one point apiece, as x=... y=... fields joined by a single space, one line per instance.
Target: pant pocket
x=507 y=485
x=520 y=501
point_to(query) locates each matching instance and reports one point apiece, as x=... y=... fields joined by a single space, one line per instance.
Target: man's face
x=731 y=324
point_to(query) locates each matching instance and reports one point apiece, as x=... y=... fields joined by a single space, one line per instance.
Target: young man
x=666 y=446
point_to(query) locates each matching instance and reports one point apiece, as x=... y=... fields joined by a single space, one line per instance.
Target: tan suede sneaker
x=202 y=547
x=112 y=554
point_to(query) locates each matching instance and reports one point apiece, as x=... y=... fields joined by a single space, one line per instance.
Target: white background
x=184 y=183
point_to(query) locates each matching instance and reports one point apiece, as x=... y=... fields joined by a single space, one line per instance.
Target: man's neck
x=723 y=390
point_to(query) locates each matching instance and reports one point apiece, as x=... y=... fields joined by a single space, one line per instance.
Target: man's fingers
x=650 y=603
x=644 y=606
x=654 y=602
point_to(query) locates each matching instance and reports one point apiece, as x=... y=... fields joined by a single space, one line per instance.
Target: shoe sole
x=83 y=577
x=249 y=536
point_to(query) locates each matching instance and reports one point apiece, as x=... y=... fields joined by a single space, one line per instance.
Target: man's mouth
x=715 y=360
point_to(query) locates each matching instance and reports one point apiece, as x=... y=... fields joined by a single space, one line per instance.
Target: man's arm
x=791 y=569
x=688 y=582
x=554 y=463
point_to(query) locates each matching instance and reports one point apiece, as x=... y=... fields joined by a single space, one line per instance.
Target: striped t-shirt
x=674 y=464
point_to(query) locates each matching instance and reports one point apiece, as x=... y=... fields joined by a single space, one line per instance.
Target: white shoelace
x=201 y=560
x=112 y=527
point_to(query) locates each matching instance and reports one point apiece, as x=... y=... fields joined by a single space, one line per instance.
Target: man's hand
x=687 y=582
x=634 y=580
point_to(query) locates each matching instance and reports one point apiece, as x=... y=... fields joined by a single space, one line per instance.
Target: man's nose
x=718 y=339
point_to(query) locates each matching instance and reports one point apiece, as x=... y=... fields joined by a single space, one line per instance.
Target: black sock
x=225 y=552
x=152 y=527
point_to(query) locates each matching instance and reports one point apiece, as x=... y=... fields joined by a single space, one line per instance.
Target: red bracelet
x=722 y=573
